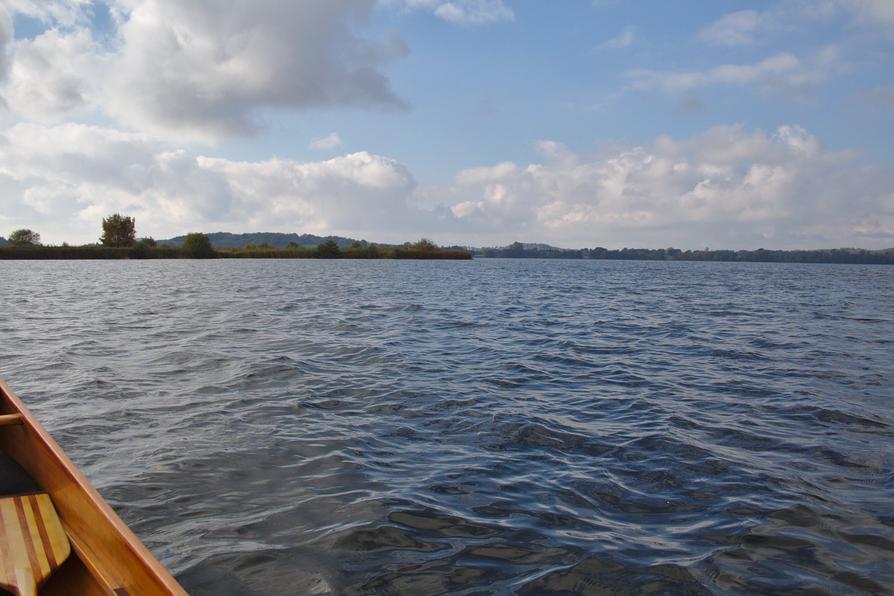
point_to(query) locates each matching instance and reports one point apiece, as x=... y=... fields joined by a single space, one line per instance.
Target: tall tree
x=24 y=237
x=118 y=230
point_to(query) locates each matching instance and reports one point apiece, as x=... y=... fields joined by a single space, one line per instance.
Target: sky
x=579 y=123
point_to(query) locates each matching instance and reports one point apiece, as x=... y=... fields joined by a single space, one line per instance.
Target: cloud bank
x=728 y=186
x=71 y=175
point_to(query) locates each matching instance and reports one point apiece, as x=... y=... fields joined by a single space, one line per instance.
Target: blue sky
x=575 y=122
x=487 y=93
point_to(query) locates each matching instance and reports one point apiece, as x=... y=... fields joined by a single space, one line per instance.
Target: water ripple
x=530 y=427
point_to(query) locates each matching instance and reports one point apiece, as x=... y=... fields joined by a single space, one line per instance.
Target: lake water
x=474 y=427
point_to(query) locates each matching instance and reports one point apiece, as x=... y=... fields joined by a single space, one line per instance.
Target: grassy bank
x=175 y=252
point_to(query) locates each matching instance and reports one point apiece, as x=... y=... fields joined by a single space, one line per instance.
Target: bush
x=197 y=246
x=139 y=250
x=329 y=250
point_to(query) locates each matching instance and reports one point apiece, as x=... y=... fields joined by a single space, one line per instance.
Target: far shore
x=429 y=252
x=139 y=251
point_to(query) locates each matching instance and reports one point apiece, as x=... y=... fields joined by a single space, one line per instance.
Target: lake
x=494 y=426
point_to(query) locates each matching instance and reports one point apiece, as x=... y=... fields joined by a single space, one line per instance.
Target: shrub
x=197 y=246
x=328 y=250
x=140 y=250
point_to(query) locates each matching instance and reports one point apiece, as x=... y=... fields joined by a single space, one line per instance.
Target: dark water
x=495 y=426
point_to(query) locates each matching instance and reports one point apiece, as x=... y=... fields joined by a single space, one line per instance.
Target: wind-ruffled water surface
x=493 y=426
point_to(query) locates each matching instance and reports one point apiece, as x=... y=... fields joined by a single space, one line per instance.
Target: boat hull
x=107 y=558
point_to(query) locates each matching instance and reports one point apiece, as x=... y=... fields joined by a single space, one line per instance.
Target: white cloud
x=327 y=143
x=784 y=74
x=201 y=71
x=622 y=41
x=466 y=12
x=749 y=27
x=52 y=74
x=871 y=13
x=737 y=28
x=207 y=69
x=65 y=13
x=6 y=39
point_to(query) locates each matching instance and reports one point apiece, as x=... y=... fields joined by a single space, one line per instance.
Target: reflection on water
x=506 y=426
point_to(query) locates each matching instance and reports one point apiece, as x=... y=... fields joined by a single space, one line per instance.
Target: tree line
x=119 y=241
x=517 y=250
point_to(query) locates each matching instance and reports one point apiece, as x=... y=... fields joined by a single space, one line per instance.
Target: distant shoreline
x=102 y=253
x=278 y=245
x=141 y=252
x=843 y=256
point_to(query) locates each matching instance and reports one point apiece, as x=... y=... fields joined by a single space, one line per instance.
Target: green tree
x=118 y=230
x=24 y=237
x=329 y=250
x=148 y=241
x=197 y=246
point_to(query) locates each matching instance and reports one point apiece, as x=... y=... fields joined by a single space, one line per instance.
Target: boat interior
x=70 y=576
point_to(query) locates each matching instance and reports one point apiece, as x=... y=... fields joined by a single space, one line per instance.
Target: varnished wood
x=105 y=548
x=73 y=579
x=10 y=419
x=33 y=544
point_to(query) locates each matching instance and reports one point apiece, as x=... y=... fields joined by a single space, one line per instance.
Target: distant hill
x=272 y=239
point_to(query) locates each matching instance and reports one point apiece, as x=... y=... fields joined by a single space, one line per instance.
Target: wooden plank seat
x=32 y=542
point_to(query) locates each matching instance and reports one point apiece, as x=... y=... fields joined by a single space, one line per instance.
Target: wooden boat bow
x=108 y=557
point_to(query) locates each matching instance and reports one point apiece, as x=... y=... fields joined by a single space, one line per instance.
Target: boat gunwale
x=138 y=551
